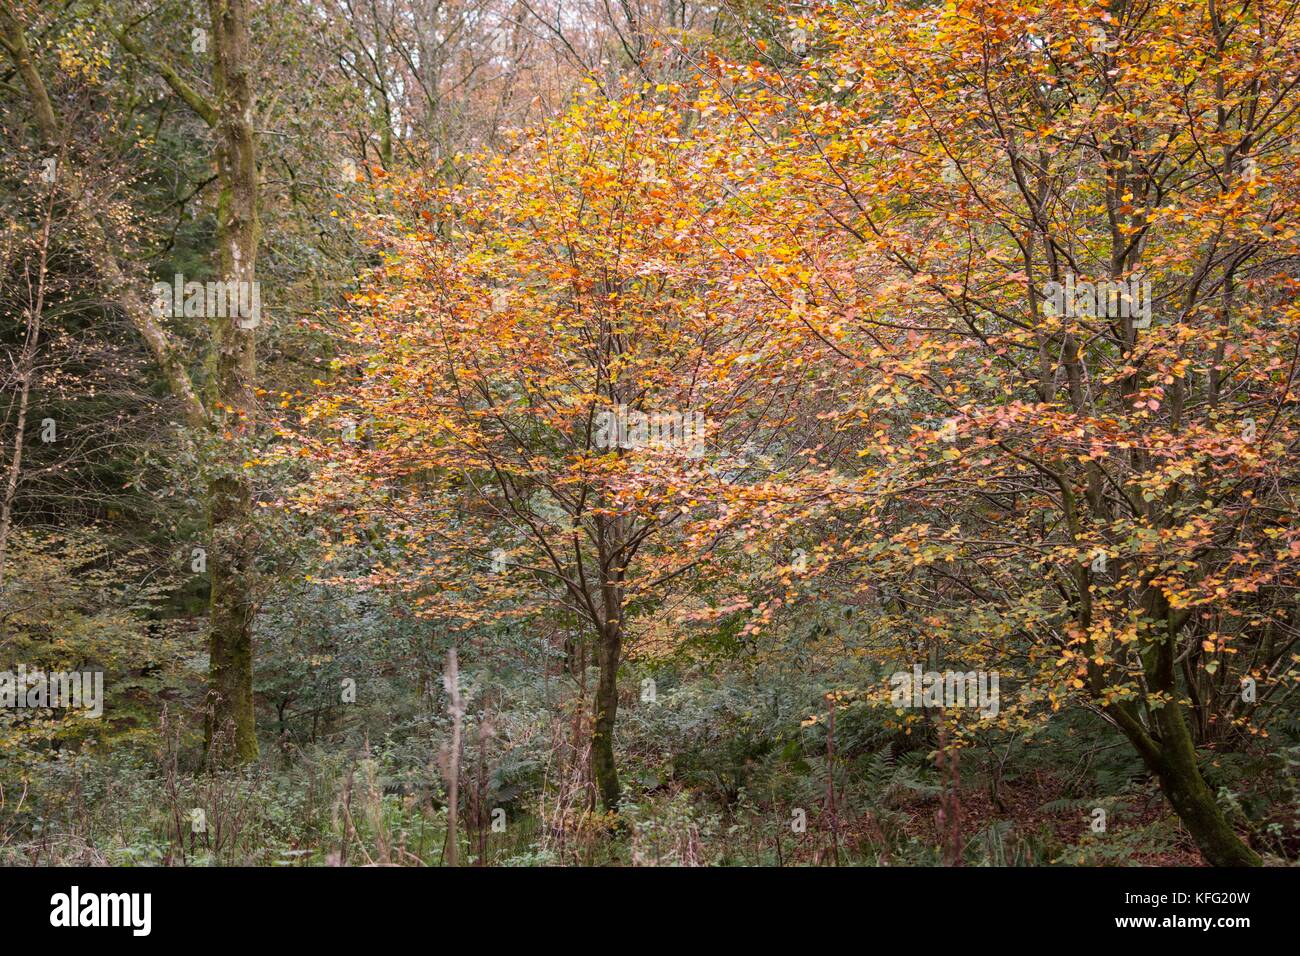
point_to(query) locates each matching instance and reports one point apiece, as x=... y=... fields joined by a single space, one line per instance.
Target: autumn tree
x=561 y=393
x=1074 y=287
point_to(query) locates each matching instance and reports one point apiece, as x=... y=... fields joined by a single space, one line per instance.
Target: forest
x=633 y=433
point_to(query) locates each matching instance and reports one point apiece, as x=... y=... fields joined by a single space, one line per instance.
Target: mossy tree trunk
x=608 y=652
x=1172 y=761
x=1170 y=752
x=233 y=399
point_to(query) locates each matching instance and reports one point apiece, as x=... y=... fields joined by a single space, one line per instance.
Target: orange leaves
x=843 y=270
x=600 y=270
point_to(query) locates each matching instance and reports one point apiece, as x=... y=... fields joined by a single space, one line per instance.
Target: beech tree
x=559 y=385
x=1076 y=305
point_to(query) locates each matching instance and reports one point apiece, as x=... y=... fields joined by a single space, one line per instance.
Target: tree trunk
x=230 y=674
x=1181 y=780
x=602 y=743
x=451 y=761
x=24 y=369
x=230 y=517
x=1172 y=760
